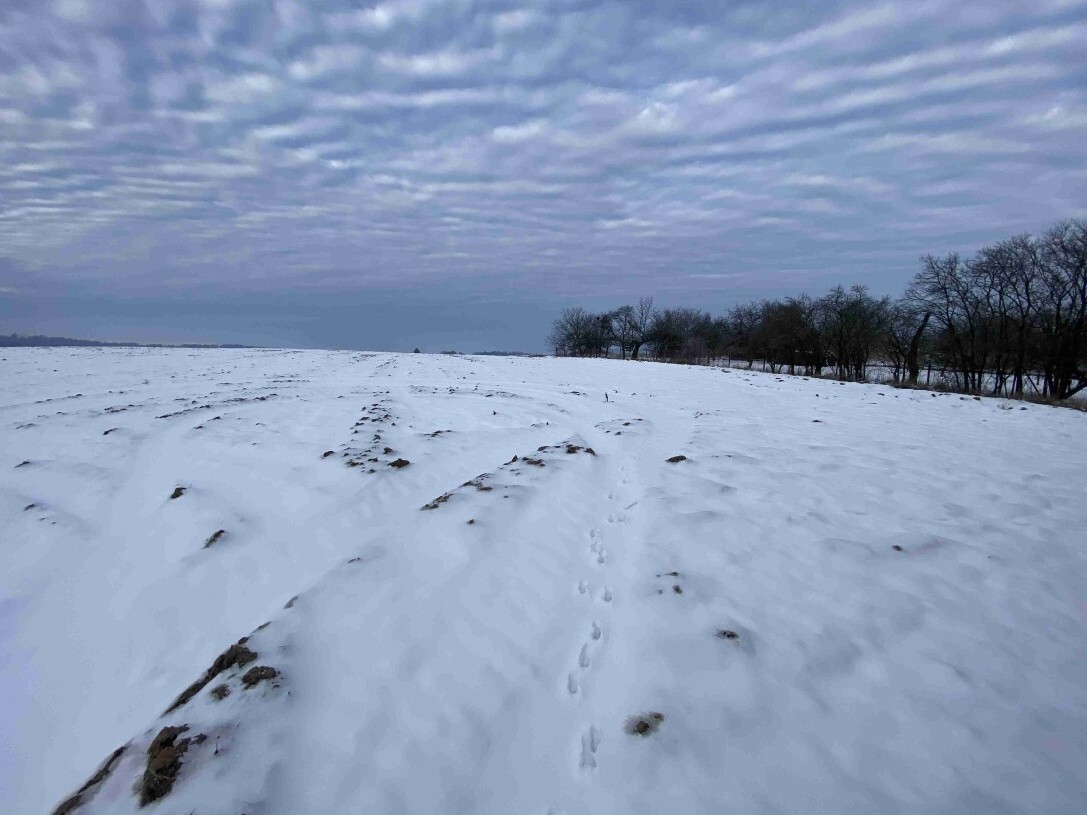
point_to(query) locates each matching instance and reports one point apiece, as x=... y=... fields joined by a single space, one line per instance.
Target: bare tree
x=643 y=324
x=1012 y=317
x=906 y=324
x=1062 y=314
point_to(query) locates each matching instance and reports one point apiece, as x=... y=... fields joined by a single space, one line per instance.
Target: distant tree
x=626 y=330
x=1062 y=309
x=743 y=321
x=906 y=326
x=1010 y=318
x=643 y=324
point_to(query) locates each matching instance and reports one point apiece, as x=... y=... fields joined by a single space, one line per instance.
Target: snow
x=486 y=655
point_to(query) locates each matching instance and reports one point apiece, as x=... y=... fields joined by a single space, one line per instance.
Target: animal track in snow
x=596 y=630
x=597 y=548
x=583 y=657
x=590 y=742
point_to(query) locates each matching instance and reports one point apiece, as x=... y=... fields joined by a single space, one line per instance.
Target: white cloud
x=515 y=134
x=445 y=63
x=243 y=89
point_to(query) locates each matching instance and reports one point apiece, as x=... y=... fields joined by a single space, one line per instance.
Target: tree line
x=1010 y=320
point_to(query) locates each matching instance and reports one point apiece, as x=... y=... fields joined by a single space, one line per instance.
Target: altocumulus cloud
x=576 y=148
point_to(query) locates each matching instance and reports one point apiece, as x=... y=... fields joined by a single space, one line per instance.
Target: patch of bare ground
x=74 y=802
x=260 y=673
x=215 y=538
x=643 y=724
x=164 y=762
x=236 y=655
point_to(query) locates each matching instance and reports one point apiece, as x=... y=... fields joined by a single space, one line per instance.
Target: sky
x=452 y=173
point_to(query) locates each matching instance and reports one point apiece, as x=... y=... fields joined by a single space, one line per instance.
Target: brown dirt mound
x=214 y=538
x=258 y=674
x=643 y=724
x=74 y=802
x=236 y=655
x=164 y=762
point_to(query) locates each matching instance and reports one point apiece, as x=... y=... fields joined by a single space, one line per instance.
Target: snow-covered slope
x=845 y=599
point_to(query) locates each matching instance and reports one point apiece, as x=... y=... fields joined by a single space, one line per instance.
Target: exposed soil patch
x=725 y=634
x=236 y=655
x=220 y=692
x=328 y=453
x=677 y=589
x=677 y=459
x=399 y=464
x=254 y=676
x=643 y=724
x=574 y=448
x=437 y=502
x=73 y=802
x=177 y=493
x=215 y=538
x=164 y=762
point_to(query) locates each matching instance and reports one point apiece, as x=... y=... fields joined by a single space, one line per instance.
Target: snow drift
x=316 y=582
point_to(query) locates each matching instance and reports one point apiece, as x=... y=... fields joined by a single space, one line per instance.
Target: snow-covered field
x=847 y=599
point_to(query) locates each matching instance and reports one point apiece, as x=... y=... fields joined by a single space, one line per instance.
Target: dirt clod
x=236 y=655
x=643 y=724
x=163 y=763
x=258 y=674
x=74 y=802
x=214 y=538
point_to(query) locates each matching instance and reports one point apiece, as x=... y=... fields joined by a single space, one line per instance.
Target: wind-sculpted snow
x=416 y=584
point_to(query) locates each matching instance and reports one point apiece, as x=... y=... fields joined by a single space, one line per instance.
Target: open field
x=481 y=581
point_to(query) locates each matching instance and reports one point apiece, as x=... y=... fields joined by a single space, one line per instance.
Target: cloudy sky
x=450 y=173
